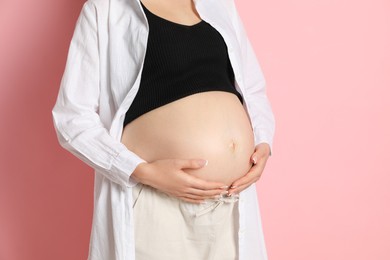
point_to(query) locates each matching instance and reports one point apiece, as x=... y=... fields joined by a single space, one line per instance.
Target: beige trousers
x=167 y=228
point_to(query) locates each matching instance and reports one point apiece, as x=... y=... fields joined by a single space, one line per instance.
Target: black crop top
x=180 y=60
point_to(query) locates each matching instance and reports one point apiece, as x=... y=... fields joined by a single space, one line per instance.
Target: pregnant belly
x=209 y=125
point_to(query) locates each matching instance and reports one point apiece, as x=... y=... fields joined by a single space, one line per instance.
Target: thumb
x=254 y=158
x=194 y=163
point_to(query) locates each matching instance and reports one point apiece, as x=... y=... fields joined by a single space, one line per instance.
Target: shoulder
x=96 y=10
x=117 y=8
x=229 y=6
x=96 y=4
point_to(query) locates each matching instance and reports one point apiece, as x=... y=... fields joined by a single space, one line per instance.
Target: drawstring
x=221 y=199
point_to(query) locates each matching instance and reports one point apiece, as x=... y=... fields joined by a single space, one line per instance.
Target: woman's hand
x=167 y=176
x=259 y=159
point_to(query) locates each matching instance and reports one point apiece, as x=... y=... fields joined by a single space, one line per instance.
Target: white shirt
x=100 y=81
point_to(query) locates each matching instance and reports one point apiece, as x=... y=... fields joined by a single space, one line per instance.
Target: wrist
x=264 y=147
x=140 y=172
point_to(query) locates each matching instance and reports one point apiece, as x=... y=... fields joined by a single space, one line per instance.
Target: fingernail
x=217 y=196
x=254 y=159
x=234 y=186
x=230 y=194
x=224 y=192
x=203 y=162
x=223 y=187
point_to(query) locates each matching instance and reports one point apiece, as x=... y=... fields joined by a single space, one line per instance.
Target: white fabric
x=167 y=228
x=100 y=81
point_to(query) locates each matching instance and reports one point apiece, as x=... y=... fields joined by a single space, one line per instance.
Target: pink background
x=325 y=191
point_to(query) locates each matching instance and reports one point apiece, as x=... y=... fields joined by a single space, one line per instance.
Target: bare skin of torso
x=211 y=125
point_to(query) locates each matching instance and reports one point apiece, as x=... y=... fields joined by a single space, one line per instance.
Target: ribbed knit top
x=180 y=60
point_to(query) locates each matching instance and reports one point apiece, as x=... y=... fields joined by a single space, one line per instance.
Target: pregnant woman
x=166 y=101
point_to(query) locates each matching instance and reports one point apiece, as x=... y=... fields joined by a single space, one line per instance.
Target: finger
x=199 y=197
x=190 y=163
x=261 y=151
x=255 y=156
x=247 y=179
x=191 y=200
x=239 y=189
x=206 y=193
x=254 y=172
x=198 y=183
x=252 y=176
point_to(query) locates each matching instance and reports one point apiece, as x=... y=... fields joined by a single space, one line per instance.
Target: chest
x=176 y=49
x=124 y=48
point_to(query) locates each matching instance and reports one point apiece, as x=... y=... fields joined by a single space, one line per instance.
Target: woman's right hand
x=167 y=176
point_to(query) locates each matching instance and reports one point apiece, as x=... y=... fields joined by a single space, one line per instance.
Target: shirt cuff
x=262 y=137
x=124 y=165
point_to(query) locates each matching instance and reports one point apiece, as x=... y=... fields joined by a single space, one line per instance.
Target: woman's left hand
x=259 y=159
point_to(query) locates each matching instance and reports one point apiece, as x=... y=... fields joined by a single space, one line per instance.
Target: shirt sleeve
x=259 y=107
x=76 y=120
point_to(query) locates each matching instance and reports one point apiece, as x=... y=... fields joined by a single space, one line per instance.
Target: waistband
x=214 y=203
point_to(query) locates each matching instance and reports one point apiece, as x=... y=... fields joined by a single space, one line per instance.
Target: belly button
x=232 y=145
